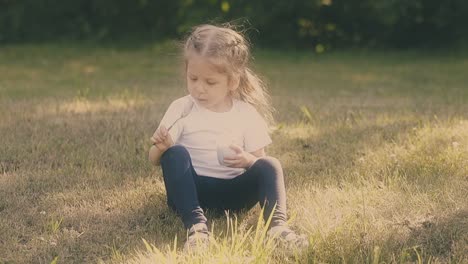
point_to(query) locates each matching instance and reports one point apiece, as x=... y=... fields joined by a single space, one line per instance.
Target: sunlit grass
x=374 y=148
x=235 y=244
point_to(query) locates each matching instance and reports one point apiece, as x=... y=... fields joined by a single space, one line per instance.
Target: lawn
x=374 y=146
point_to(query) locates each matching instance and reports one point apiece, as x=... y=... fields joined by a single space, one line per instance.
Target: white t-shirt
x=200 y=130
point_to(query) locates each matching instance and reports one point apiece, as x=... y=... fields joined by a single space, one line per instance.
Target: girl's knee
x=270 y=162
x=175 y=161
x=175 y=152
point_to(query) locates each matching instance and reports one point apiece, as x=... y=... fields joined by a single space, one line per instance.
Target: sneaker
x=198 y=237
x=287 y=238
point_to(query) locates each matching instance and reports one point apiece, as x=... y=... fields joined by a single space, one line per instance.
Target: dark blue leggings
x=188 y=193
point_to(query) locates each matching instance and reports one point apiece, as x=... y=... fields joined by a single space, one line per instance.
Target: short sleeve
x=256 y=134
x=173 y=116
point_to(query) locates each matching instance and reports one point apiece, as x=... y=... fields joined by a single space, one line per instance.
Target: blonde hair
x=231 y=48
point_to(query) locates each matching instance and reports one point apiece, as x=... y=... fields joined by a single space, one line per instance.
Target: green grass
x=374 y=147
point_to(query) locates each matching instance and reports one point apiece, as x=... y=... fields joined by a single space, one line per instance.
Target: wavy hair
x=232 y=50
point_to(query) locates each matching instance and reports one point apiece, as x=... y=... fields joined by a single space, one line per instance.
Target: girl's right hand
x=162 y=139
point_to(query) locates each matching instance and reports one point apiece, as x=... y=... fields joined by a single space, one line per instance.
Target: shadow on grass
x=330 y=156
x=441 y=239
x=445 y=237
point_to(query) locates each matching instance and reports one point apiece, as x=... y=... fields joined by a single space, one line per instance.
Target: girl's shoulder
x=182 y=101
x=249 y=112
x=183 y=105
x=245 y=107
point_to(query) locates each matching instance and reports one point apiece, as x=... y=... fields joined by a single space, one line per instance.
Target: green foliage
x=53 y=226
x=307 y=114
x=319 y=25
x=54 y=261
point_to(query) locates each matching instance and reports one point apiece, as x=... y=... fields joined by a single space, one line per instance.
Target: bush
x=320 y=24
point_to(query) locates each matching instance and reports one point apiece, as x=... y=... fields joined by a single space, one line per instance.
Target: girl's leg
x=263 y=182
x=180 y=181
x=217 y=195
x=271 y=190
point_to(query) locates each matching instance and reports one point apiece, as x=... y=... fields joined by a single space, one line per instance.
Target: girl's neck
x=222 y=107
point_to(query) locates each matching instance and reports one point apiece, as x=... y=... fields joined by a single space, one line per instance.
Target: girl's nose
x=199 y=89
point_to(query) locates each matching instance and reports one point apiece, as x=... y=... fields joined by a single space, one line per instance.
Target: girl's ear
x=234 y=82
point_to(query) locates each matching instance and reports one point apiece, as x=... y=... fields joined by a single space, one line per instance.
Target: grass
x=374 y=146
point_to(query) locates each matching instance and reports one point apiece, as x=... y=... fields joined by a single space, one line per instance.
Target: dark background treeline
x=321 y=24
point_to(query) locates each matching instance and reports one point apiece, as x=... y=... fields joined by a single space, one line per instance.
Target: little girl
x=211 y=142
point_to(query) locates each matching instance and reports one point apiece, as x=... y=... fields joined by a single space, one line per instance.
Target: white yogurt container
x=223 y=149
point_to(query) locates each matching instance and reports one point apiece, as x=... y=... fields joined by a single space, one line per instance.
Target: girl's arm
x=256 y=155
x=162 y=139
x=259 y=153
x=161 y=142
x=154 y=155
x=243 y=159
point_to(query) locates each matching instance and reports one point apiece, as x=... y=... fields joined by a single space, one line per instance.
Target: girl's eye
x=211 y=83
x=193 y=79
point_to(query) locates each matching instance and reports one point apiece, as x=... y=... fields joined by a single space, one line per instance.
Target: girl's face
x=208 y=86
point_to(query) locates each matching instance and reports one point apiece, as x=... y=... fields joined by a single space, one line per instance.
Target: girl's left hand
x=242 y=159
